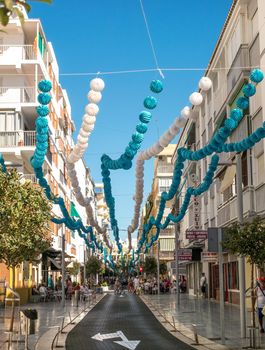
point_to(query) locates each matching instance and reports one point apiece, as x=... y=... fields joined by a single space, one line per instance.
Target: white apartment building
x=240 y=46
x=26 y=57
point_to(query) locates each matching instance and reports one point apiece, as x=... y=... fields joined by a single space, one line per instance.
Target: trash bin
x=28 y=321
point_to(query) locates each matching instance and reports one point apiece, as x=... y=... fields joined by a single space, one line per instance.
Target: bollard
x=76 y=298
x=174 y=323
x=194 y=328
x=62 y=325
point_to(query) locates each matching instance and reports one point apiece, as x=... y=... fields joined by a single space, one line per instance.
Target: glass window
x=260 y=169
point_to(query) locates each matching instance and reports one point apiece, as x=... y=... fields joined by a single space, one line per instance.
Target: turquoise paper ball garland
x=125 y=160
x=216 y=144
x=37 y=162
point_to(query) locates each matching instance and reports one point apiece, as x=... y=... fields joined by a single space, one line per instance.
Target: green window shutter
x=73 y=211
x=40 y=43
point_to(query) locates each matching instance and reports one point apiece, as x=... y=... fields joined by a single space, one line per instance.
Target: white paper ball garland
x=195 y=99
x=205 y=83
x=89 y=119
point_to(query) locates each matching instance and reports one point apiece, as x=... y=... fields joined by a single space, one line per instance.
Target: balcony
x=239 y=67
x=165 y=169
x=166 y=255
x=227 y=211
x=9 y=95
x=30 y=177
x=11 y=54
x=17 y=138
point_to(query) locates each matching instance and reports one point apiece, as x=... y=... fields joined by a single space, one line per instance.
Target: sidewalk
x=206 y=315
x=50 y=315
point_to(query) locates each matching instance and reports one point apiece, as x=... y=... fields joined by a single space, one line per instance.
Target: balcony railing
x=17 y=138
x=15 y=52
x=239 y=65
x=30 y=177
x=17 y=95
x=165 y=169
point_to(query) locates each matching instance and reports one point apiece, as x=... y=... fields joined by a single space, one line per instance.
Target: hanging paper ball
x=145 y=117
x=249 y=90
x=44 y=99
x=236 y=114
x=150 y=102
x=242 y=103
x=84 y=133
x=97 y=84
x=137 y=137
x=205 y=83
x=134 y=145
x=196 y=98
x=92 y=109
x=141 y=128
x=45 y=85
x=94 y=96
x=88 y=127
x=174 y=129
x=256 y=75
x=41 y=122
x=186 y=112
x=156 y=86
x=180 y=122
x=89 y=119
x=43 y=110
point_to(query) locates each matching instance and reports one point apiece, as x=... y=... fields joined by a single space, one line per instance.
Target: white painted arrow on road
x=126 y=343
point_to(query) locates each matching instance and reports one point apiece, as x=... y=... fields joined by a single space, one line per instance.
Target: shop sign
x=185 y=254
x=209 y=257
x=196 y=234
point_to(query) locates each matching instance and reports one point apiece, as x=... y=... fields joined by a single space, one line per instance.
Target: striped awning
x=167 y=244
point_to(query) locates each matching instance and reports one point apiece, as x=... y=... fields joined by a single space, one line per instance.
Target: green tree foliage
x=150 y=265
x=93 y=265
x=163 y=268
x=12 y=7
x=24 y=220
x=248 y=241
x=75 y=269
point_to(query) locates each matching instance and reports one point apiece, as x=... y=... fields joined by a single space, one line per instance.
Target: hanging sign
x=196 y=234
x=185 y=254
x=209 y=257
x=196 y=213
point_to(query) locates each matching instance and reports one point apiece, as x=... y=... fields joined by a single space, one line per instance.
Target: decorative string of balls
x=125 y=160
x=38 y=159
x=216 y=144
x=196 y=99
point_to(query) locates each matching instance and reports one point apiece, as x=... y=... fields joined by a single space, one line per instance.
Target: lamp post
x=63 y=265
x=241 y=260
x=158 y=268
x=177 y=260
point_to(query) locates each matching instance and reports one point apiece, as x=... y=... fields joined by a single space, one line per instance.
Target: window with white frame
x=260 y=169
x=164 y=184
x=234 y=42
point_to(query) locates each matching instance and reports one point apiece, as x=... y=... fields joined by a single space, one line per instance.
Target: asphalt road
x=126 y=320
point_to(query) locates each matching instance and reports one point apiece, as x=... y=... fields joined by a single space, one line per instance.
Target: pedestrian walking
x=203 y=282
x=260 y=296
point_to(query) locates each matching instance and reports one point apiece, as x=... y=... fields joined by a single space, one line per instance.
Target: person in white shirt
x=260 y=296
x=203 y=284
x=136 y=284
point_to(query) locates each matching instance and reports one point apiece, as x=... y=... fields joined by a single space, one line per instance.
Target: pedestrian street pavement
x=204 y=314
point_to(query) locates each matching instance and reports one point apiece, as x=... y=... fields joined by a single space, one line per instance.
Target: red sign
x=185 y=254
x=196 y=234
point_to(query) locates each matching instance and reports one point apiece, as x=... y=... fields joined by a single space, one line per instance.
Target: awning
x=167 y=244
x=228 y=179
x=55 y=265
x=73 y=211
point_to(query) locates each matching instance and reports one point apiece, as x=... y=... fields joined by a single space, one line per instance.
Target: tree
x=248 y=241
x=93 y=266
x=163 y=268
x=12 y=7
x=150 y=265
x=24 y=221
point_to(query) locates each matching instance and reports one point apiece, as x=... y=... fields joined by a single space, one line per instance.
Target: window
x=254 y=25
x=215 y=82
x=164 y=185
x=234 y=42
x=233 y=275
x=260 y=169
x=245 y=169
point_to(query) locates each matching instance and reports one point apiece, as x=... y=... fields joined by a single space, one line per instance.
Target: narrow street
x=129 y=315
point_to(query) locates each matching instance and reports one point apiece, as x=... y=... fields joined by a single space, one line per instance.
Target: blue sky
x=110 y=35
